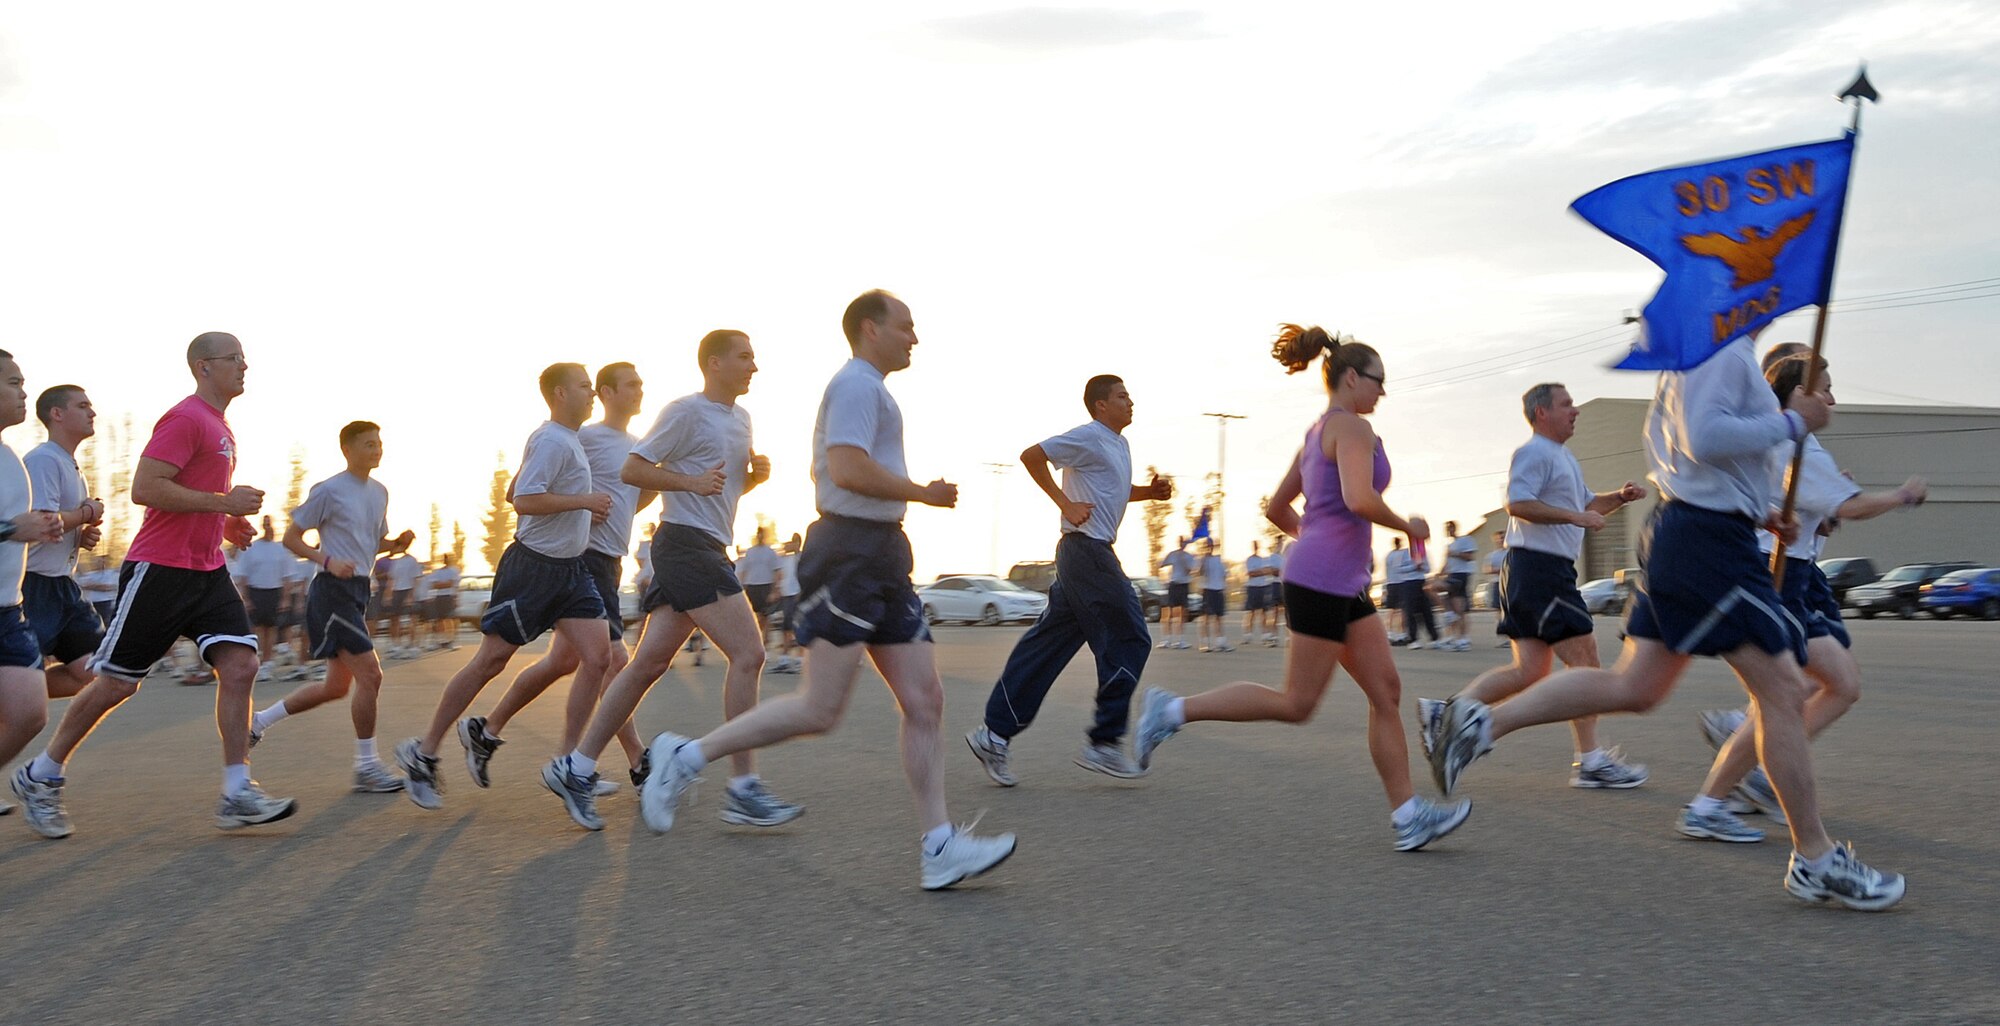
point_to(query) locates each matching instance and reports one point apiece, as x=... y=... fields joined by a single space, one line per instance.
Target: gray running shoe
x=661 y=797
x=479 y=748
x=1460 y=740
x=1757 y=790
x=42 y=804
x=964 y=855
x=1849 y=881
x=755 y=805
x=1616 y=774
x=1153 y=730
x=578 y=794
x=1108 y=759
x=1432 y=821
x=375 y=778
x=1719 y=725
x=1430 y=719
x=422 y=781
x=251 y=807
x=992 y=756
x=1720 y=825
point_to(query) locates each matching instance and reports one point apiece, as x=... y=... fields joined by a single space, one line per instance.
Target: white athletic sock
x=1406 y=811
x=235 y=778
x=45 y=769
x=1593 y=759
x=263 y=721
x=364 y=752
x=690 y=756
x=742 y=783
x=935 y=837
x=1177 y=713
x=1818 y=865
x=1703 y=805
x=581 y=765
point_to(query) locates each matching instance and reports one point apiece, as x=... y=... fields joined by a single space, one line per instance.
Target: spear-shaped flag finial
x=1862 y=89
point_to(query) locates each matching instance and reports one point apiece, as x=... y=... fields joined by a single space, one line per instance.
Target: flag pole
x=1860 y=90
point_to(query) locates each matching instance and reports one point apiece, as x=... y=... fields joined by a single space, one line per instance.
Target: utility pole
x=999 y=471
x=1221 y=461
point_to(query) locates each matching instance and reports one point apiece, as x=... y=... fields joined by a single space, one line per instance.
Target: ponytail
x=1296 y=347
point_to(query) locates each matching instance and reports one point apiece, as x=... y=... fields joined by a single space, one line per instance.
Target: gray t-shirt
x=14 y=496
x=857 y=410
x=606 y=448
x=262 y=565
x=692 y=436
x=1097 y=468
x=1214 y=576
x=1461 y=555
x=58 y=486
x=1179 y=564
x=351 y=515
x=758 y=566
x=1546 y=471
x=554 y=464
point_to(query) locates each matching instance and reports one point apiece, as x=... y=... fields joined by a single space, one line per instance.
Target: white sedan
x=979 y=599
x=1603 y=595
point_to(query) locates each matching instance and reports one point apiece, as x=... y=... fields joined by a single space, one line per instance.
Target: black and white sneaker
x=251 y=807
x=1848 y=880
x=578 y=794
x=42 y=804
x=1461 y=740
x=479 y=748
x=754 y=805
x=420 y=773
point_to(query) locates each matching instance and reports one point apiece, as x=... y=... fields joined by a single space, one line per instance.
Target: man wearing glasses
x=174 y=584
x=542 y=580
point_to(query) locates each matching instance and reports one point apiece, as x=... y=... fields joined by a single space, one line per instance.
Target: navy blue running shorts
x=1538 y=598
x=854 y=584
x=690 y=569
x=66 y=627
x=336 y=616
x=532 y=591
x=1707 y=590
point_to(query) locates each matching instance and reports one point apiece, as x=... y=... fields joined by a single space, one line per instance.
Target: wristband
x=326 y=563
x=7 y=530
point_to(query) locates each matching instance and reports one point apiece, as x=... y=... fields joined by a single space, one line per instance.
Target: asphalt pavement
x=1248 y=879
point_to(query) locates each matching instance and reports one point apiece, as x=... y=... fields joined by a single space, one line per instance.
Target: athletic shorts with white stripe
x=1539 y=599
x=1707 y=590
x=854 y=583
x=337 y=615
x=158 y=605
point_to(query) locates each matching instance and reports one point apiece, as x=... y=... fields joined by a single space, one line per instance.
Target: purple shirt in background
x=1335 y=551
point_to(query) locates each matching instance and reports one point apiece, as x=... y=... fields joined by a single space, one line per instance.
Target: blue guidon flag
x=1743 y=241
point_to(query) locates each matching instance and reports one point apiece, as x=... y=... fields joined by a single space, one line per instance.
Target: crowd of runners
x=309 y=604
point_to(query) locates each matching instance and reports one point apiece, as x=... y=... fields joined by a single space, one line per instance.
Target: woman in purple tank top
x=1341 y=472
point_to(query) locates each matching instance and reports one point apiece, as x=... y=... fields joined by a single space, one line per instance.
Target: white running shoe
x=660 y=799
x=251 y=807
x=964 y=855
x=992 y=756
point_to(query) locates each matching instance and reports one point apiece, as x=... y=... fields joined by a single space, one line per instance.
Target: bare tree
x=437 y=533
x=1158 y=512
x=499 y=522
x=458 y=544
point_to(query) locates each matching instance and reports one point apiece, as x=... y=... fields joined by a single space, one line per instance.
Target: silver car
x=977 y=598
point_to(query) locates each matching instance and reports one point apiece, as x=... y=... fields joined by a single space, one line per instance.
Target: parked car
x=979 y=598
x=1963 y=592
x=1036 y=575
x=1603 y=596
x=474 y=591
x=1845 y=574
x=1896 y=592
x=1151 y=593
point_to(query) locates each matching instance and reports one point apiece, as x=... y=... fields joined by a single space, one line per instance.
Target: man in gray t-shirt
x=67 y=627
x=1092 y=601
x=349 y=516
x=699 y=458
x=541 y=582
x=855 y=575
x=606 y=444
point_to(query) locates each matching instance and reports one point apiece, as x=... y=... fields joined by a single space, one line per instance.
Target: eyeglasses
x=232 y=358
x=1376 y=378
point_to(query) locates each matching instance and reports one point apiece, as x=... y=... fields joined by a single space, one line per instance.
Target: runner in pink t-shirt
x=173 y=585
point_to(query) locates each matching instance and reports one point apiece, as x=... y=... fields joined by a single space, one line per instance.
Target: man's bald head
x=211 y=344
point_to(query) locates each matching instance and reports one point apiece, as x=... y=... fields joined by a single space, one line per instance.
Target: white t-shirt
x=758 y=566
x=1096 y=467
x=1823 y=489
x=351 y=515
x=443 y=581
x=1494 y=559
x=1710 y=431
x=262 y=566
x=693 y=435
x=1546 y=471
x=1214 y=576
x=788 y=575
x=58 y=487
x=606 y=448
x=1399 y=568
x=1461 y=556
x=1180 y=566
x=857 y=410
x=554 y=464
x=1256 y=563
x=643 y=555
x=14 y=497
x=297 y=571
x=403 y=572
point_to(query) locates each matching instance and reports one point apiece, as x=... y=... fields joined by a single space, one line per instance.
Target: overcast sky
x=407 y=210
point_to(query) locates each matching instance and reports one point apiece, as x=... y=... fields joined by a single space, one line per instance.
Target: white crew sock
x=265 y=720
x=690 y=756
x=742 y=783
x=364 y=752
x=935 y=837
x=235 y=778
x=1703 y=805
x=581 y=765
x=45 y=769
x=1818 y=865
x=1177 y=713
x=1594 y=759
x=1406 y=811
